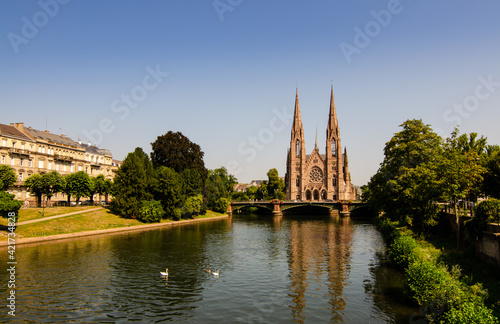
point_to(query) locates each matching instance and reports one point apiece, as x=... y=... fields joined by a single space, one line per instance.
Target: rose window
x=316 y=174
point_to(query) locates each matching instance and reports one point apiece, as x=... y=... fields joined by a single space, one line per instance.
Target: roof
x=45 y=135
x=11 y=131
x=95 y=150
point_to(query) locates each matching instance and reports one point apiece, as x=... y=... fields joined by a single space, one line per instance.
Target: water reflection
x=319 y=254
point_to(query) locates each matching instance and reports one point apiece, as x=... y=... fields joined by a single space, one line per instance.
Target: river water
x=304 y=269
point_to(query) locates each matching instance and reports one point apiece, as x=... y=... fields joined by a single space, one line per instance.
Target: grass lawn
x=26 y=214
x=86 y=221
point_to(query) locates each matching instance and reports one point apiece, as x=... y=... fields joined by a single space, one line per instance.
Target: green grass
x=26 y=214
x=86 y=221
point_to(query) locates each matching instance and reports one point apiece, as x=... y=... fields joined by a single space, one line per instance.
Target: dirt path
x=108 y=231
x=57 y=216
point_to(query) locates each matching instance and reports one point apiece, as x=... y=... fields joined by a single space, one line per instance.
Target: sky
x=118 y=74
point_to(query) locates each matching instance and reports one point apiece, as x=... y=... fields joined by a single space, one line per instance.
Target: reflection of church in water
x=317 y=176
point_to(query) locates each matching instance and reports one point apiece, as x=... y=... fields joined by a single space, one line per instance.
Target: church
x=316 y=176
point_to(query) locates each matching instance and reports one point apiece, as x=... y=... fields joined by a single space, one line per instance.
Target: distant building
x=317 y=176
x=29 y=151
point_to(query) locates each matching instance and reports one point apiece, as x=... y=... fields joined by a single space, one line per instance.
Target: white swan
x=164 y=273
x=216 y=273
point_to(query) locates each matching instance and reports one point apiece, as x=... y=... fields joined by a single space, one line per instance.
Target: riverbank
x=87 y=223
x=444 y=294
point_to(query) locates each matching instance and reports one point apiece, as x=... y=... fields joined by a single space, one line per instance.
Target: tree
x=219 y=184
x=78 y=185
x=491 y=182
x=8 y=204
x=7 y=177
x=99 y=186
x=151 y=211
x=460 y=170
x=133 y=183
x=168 y=190
x=36 y=186
x=407 y=184
x=53 y=183
x=176 y=151
x=275 y=185
x=251 y=192
x=192 y=182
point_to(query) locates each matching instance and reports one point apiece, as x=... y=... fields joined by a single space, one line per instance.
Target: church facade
x=316 y=176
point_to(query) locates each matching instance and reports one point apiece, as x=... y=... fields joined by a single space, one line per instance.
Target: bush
x=469 y=312
x=388 y=229
x=403 y=251
x=151 y=211
x=221 y=205
x=8 y=204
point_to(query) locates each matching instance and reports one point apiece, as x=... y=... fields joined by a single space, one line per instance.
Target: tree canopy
x=7 y=177
x=176 y=151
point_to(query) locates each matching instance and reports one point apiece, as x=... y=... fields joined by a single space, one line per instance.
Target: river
x=290 y=269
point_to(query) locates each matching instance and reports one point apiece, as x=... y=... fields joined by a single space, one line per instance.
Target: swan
x=215 y=273
x=164 y=273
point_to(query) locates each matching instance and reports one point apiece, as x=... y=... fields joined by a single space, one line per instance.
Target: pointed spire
x=333 y=125
x=316 y=143
x=297 y=120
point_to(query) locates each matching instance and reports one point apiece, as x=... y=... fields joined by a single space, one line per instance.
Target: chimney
x=46 y=131
x=19 y=126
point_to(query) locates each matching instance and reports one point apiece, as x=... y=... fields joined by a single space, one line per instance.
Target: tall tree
x=192 y=182
x=7 y=177
x=176 y=151
x=461 y=171
x=407 y=183
x=99 y=186
x=491 y=182
x=133 y=184
x=275 y=185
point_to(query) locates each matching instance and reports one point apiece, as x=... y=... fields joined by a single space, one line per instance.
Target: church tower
x=317 y=176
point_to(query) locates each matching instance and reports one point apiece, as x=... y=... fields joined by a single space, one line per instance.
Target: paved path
x=57 y=216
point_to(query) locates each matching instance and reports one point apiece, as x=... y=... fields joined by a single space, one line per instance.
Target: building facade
x=316 y=176
x=29 y=151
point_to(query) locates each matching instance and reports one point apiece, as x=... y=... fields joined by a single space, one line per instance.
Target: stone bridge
x=278 y=207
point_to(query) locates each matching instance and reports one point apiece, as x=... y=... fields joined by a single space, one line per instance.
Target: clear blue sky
x=224 y=73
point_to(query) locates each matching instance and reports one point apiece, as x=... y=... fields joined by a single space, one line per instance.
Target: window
x=40 y=164
x=22 y=146
x=30 y=163
x=20 y=177
x=49 y=165
x=297 y=148
x=297 y=182
x=4 y=143
x=13 y=144
x=21 y=161
x=334 y=147
x=12 y=161
x=3 y=159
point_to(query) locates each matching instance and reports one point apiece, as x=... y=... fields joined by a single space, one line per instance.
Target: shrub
x=8 y=204
x=470 y=312
x=221 y=205
x=388 y=229
x=403 y=251
x=151 y=211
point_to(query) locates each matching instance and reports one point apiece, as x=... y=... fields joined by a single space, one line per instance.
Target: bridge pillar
x=229 y=210
x=344 y=211
x=276 y=208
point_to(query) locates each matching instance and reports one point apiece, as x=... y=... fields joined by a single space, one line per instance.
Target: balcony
x=62 y=158
x=21 y=152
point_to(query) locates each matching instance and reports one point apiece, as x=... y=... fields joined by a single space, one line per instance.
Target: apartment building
x=29 y=151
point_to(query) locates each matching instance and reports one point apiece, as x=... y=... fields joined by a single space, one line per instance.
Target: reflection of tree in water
x=386 y=289
x=319 y=250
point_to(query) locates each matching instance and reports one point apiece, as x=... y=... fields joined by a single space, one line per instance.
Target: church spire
x=316 y=143
x=297 y=129
x=333 y=125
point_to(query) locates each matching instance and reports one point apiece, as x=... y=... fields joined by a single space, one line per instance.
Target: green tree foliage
x=176 y=151
x=275 y=185
x=8 y=204
x=192 y=206
x=491 y=182
x=251 y=192
x=219 y=184
x=99 y=186
x=78 y=185
x=220 y=205
x=407 y=182
x=7 y=177
x=239 y=196
x=133 y=184
x=35 y=185
x=168 y=190
x=460 y=168
x=151 y=211
x=52 y=182
x=192 y=182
